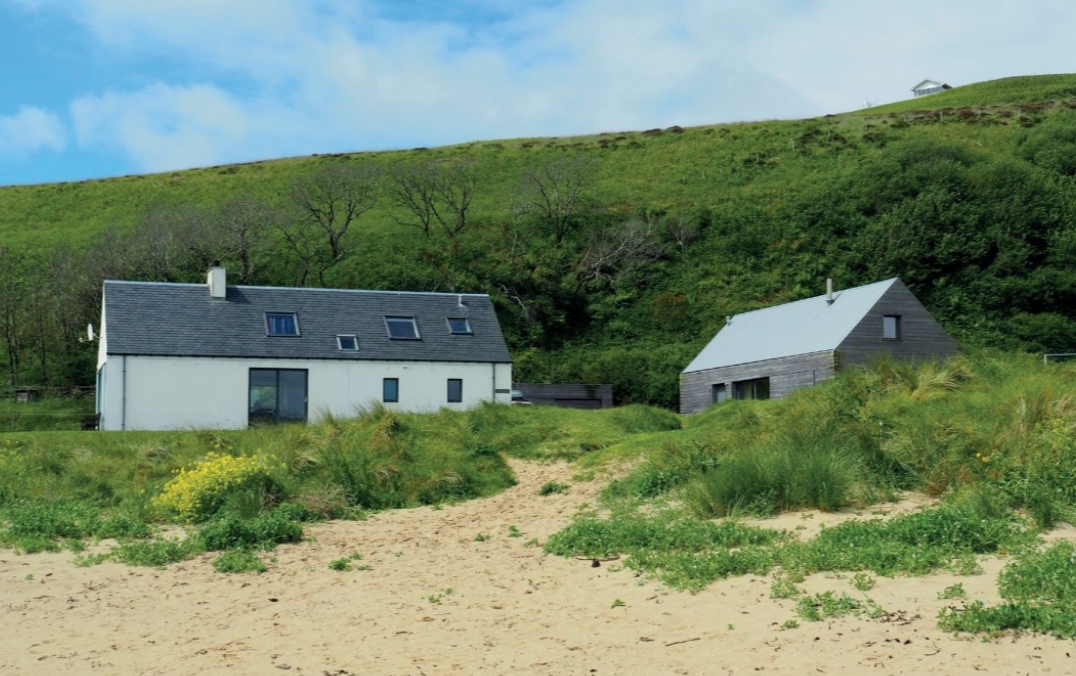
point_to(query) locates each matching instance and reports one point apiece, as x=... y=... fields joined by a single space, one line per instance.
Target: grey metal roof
x=148 y=318
x=801 y=327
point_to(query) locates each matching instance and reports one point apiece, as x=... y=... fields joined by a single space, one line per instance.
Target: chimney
x=215 y=280
x=829 y=290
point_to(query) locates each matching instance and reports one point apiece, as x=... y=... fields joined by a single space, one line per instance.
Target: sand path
x=436 y=601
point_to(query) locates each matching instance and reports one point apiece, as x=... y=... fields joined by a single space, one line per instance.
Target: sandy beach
x=436 y=600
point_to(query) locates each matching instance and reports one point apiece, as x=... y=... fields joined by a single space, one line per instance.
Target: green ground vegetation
x=991 y=435
x=968 y=196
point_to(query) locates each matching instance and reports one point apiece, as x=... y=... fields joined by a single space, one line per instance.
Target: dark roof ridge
x=306 y=288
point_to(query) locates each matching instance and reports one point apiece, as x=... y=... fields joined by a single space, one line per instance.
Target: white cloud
x=264 y=78
x=163 y=127
x=30 y=130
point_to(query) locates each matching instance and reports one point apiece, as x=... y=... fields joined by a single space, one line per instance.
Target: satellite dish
x=89 y=332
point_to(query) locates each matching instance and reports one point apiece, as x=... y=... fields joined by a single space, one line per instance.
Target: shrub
x=262 y=532
x=238 y=561
x=197 y=493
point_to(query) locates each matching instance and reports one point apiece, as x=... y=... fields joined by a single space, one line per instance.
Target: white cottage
x=193 y=356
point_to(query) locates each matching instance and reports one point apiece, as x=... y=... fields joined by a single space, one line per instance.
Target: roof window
x=459 y=325
x=281 y=324
x=402 y=328
x=347 y=342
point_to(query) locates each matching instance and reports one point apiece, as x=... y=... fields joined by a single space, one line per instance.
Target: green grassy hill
x=967 y=195
x=1009 y=91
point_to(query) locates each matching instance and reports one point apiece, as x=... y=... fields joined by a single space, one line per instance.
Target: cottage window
x=459 y=325
x=455 y=390
x=756 y=388
x=402 y=328
x=347 y=342
x=281 y=324
x=891 y=327
x=277 y=395
x=390 y=390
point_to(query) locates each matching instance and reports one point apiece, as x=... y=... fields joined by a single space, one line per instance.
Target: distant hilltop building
x=929 y=87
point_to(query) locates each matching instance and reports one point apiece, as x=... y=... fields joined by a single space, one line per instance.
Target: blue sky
x=96 y=88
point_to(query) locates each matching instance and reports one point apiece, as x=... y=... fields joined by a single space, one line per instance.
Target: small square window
x=347 y=342
x=459 y=325
x=891 y=327
x=455 y=390
x=390 y=390
x=281 y=324
x=402 y=328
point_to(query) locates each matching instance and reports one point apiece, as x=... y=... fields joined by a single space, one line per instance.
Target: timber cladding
x=921 y=337
x=785 y=373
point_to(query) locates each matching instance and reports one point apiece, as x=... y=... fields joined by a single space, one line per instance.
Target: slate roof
x=183 y=320
x=801 y=327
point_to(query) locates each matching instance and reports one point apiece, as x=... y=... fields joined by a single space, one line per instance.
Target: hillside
x=967 y=195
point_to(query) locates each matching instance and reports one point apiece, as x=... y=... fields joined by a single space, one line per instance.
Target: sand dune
x=436 y=601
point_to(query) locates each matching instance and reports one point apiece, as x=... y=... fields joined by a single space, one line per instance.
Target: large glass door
x=277 y=395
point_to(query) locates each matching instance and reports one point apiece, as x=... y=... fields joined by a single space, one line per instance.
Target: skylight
x=402 y=328
x=281 y=324
x=459 y=325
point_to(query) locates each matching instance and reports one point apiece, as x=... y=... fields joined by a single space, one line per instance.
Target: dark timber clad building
x=770 y=352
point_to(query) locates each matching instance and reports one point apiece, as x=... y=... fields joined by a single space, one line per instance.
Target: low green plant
x=265 y=531
x=551 y=488
x=618 y=603
x=514 y=532
x=343 y=564
x=953 y=592
x=88 y=560
x=790 y=624
x=157 y=553
x=481 y=537
x=239 y=561
x=627 y=533
x=827 y=604
x=915 y=543
x=783 y=588
x=438 y=597
x=863 y=582
x=1040 y=596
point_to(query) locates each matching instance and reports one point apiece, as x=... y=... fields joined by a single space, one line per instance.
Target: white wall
x=208 y=393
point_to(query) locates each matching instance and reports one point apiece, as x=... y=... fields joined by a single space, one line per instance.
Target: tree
x=243 y=223
x=326 y=206
x=557 y=191
x=435 y=192
x=12 y=304
x=618 y=254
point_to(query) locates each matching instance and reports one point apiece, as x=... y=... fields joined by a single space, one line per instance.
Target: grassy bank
x=991 y=435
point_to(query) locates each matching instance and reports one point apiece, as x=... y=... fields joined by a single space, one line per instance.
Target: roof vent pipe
x=829 y=290
x=216 y=280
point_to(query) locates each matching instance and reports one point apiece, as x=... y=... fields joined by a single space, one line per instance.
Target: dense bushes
x=973 y=209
